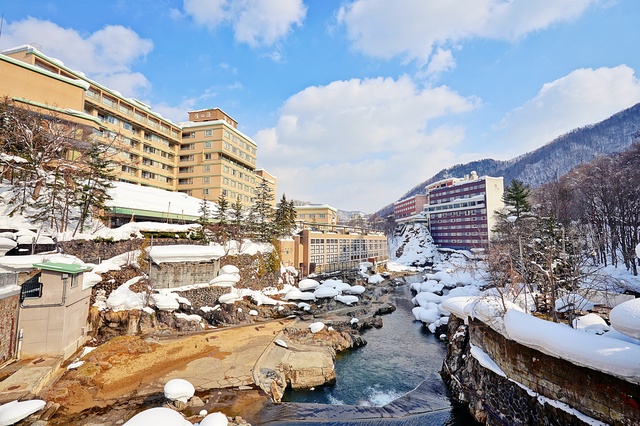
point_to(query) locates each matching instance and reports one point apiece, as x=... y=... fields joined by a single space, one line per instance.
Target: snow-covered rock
x=229 y=269
x=296 y=294
x=281 y=343
x=355 y=289
x=14 y=411
x=308 y=284
x=215 y=419
x=591 y=323
x=626 y=318
x=179 y=390
x=347 y=299
x=158 y=416
x=375 y=279
x=325 y=292
x=316 y=327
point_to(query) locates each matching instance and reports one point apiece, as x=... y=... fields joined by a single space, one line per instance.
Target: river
x=393 y=380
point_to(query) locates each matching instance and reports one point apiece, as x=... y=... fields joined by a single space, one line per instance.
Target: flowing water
x=393 y=380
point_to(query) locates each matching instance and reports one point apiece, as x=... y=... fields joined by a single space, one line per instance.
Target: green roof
x=67 y=268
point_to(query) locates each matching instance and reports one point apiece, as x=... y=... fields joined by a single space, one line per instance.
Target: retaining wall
x=538 y=389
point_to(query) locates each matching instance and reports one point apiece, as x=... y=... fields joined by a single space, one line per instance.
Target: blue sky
x=354 y=102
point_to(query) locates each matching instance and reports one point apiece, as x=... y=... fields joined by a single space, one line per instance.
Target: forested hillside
x=552 y=160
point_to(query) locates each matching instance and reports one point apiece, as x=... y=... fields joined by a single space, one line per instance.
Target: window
x=74 y=280
x=208 y=156
x=31 y=289
x=206 y=179
x=208 y=132
x=206 y=168
x=205 y=191
x=227 y=146
x=208 y=144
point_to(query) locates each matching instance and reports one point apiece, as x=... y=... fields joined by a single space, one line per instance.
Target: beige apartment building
x=204 y=157
x=318 y=214
x=215 y=158
x=342 y=248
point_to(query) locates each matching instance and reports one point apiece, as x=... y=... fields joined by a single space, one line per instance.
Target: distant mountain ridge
x=552 y=160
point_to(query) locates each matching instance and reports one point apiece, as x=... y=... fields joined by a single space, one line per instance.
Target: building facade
x=342 y=248
x=54 y=310
x=216 y=159
x=409 y=206
x=206 y=156
x=317 y=214
x=461 y=215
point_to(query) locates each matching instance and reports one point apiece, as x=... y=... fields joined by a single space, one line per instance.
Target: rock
x=310 y=368
x=195 y=402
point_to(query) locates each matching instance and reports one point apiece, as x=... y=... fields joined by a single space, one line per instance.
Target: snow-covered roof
x=145 y=198
x=185 y=253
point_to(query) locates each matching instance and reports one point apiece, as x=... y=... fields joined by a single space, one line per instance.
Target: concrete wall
x=55 y=323
x=170 y=275
x=494 y=399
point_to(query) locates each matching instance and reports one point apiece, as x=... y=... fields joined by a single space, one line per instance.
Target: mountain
x=552 y=160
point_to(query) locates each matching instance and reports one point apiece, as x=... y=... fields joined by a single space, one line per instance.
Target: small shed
x=54 y=308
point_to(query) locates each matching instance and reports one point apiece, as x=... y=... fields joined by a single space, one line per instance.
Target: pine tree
x=95 y=182
x=204 y=220
x=220 y=218
x=239 y=224
x=262 y=213
x=284 y=218
x=516 y=199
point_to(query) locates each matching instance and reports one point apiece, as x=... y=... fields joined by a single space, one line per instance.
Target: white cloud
x=414 y=28
x=254 y=22
x=106 y=55
x=441 y=61
x=585 y=96
x=343 y=142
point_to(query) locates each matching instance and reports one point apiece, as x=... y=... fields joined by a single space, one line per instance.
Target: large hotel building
x=205 y=157
x=460 y=212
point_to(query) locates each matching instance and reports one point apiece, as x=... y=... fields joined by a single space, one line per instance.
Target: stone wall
x=496 y=400
x=8 y=324
x=170 y=275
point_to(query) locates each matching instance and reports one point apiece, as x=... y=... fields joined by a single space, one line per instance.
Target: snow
x=573 y=301
x=355 y=289
x=185 y=253
x=485 y=360
x=25 y=263
x=229 y=270
x=281 y=343
x=165 y=302
x=296 y=294
x=178 y=390
x=316 y=327
x=146 y=198
x=123 y=299
x=215 y=419
x=347 y=300
x=626 y=318
x=308 y=284
x=600 y=353
x=14 y=411
x=75 y=365
x=222 y=280
x=325 y=292
x=6 y=244
x=375 y=279
x=158 y=416
x=591 y=323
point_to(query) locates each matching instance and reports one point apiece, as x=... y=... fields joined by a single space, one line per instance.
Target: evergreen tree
x=204 y=220
x=95 y=182
x=221 y=227
x=516 y=199
x=285 y=217
x=239 y=226
x=220 y=215
x=262 y=213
